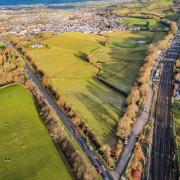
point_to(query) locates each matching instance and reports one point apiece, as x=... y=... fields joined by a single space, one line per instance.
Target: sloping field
x=121 y=60
x=138 y=22
x=26 y=149
x=65 y=62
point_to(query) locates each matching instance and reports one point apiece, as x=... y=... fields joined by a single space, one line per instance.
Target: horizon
x=51 y=2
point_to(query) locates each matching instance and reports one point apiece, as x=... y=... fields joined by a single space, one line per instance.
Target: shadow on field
x=122 y=71
x=104 y=120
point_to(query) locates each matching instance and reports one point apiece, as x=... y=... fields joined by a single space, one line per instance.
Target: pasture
x=139 y=22
x=1 y=44
x=157 y=8
x=119 y=56
x=121 y=60
x=27 y=151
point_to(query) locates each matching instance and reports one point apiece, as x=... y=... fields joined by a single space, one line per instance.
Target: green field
x=121 y=60
x=138 y=22
x=27 y=151
x=172 y=16
x=1 y=44
x=156 y=7
x=177 y=121
x=64 y=61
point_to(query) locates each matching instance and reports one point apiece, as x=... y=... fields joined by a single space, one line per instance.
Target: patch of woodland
x=11 y=67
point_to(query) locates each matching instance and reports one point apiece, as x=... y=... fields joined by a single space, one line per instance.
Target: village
x=58 y=21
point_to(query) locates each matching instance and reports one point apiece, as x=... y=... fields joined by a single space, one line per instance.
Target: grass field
x=172 y=16
x=121 y=60
x=156 y=7
x=27 y=151
x=122 y=11
x=138 y=22
x=73 y=76
x=1 y=43
x=177 y=121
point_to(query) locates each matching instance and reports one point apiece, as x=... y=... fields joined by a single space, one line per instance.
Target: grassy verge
x=27 y=150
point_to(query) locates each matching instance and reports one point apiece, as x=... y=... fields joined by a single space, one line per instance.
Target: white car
x=126 y=141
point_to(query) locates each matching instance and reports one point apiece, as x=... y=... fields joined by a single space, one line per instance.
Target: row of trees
x=80 y=167
x=134 y=171
x=140 y=154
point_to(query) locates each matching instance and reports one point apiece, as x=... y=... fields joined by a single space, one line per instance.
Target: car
x=83 y=143
x=103 y=168
x=126 y=141
x=99 y=170
x=76 y=132
x=89 y=146
x=105 y=177
x=97 y=165
x=146 y=110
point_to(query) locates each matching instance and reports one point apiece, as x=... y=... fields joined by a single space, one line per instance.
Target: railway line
x=162 y=164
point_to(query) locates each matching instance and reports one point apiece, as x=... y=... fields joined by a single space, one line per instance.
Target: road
x=106 y=175
x=162 y=164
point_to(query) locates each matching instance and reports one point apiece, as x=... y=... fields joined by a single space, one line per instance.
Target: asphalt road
x=97 y=163
x=162 y=163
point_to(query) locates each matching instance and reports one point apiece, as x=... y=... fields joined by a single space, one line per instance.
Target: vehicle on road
x=83 y=143
x=126 y=141
x=89 y=145
x=75 y=132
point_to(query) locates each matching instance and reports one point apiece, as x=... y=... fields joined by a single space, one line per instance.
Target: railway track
x=162 y=164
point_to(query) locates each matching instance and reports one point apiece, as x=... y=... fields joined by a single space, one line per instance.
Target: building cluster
x=58 y=21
